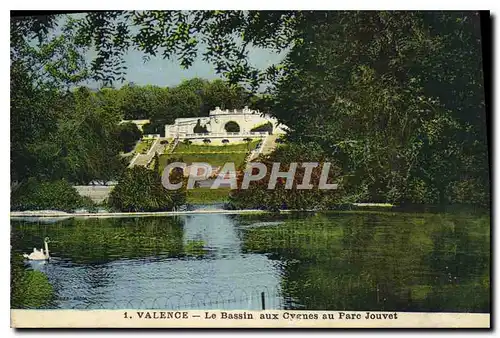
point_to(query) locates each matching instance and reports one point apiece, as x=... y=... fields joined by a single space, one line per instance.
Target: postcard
x=250 y=169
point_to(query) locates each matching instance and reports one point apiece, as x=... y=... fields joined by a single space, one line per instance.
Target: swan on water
x=38 y=255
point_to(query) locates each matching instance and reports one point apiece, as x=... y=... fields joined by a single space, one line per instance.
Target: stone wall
x=97 y=193
x=215 y=123
x=139 y=123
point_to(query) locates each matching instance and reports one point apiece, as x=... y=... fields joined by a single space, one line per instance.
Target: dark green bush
x=140 y=190
x=54 y=195
x=268 y=126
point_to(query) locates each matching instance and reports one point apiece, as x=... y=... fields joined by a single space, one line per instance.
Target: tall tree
x=379 y=90
x=43 y=67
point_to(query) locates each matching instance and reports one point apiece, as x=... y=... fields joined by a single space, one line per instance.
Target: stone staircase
x=156 y=147
x=269 y=144
x=145 y=159
x=171 y=147
x=141 y=159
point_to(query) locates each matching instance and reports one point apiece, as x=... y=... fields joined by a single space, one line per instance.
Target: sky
x=161 y=72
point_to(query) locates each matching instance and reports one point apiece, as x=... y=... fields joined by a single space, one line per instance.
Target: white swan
x=38 y=255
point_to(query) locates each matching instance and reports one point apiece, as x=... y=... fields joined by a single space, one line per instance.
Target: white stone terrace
x=224 y=135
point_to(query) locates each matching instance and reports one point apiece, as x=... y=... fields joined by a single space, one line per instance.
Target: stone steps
x=269 y=144
x=145 y=159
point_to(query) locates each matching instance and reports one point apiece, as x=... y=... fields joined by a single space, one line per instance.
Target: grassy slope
x=214 y=159
x=198 y=148
x=215 y=156
x=143 y=146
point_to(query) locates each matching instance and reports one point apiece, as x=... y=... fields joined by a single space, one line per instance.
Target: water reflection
x=148 y=263
x=217 y=232
x=381 y=261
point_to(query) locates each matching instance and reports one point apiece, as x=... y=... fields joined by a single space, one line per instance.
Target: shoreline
x=62 y=214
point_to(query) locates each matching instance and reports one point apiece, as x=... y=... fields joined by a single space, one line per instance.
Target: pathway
x=145 y=159
x=269 y=144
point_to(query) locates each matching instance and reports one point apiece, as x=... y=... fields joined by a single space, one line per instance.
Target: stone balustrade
x=218 y=135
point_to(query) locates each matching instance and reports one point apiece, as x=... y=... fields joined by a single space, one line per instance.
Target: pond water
x=325 y=261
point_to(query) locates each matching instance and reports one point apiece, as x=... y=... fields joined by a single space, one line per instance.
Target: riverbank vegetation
x=29 y=289
x=42 y=195
x=259 y=196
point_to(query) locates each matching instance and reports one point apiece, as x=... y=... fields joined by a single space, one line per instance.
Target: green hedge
x=140 y=189
x=48 y=195
x=268 y=126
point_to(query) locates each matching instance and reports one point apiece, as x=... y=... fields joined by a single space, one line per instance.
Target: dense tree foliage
x=57 y=133
x=39 y=77
x=87 y=142
x=128 y=135
x=395 y=98
x=398 y=98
